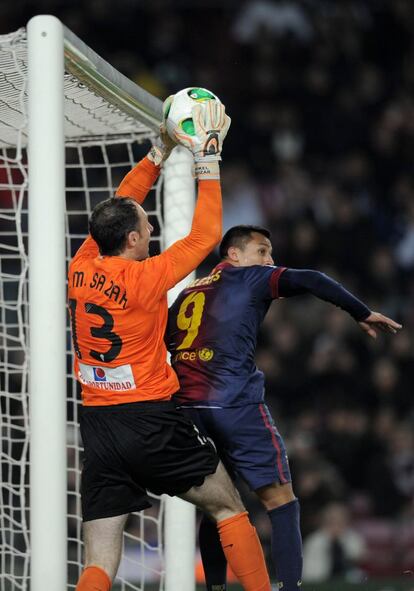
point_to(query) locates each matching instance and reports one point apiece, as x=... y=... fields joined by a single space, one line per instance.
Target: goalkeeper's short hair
x=239 y=236
x=110 y=223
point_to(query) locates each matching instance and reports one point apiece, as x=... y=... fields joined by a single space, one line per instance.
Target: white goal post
x=65 y=95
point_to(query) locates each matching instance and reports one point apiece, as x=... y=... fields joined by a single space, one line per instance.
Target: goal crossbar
x=89 y=68
x=99 y=101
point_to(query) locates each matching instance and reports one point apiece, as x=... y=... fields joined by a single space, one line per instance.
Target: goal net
x=108 y=124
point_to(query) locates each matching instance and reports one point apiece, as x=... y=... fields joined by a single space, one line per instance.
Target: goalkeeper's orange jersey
x=119 y=307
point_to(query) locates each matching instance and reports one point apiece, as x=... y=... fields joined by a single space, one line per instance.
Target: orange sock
x=93 y=578
x=244 y=552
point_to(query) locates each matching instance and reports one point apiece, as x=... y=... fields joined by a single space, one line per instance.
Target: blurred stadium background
x=321 y=151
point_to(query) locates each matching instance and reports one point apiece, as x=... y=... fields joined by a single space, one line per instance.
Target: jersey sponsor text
x=107 y=378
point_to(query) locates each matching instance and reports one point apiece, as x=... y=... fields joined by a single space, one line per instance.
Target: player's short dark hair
x=239 y=236
x=111 y=222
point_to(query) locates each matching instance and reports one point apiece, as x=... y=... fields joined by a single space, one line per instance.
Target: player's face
x=144 y=234
x=258 y=251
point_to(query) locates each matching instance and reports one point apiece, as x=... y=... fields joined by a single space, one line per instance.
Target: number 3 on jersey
x=100 y=332
x=192 y=322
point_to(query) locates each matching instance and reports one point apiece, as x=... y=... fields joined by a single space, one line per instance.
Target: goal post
x=47 y=326
x=59 y=97
x=180 y=524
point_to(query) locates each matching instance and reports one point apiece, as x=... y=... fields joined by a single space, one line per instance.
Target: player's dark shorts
x=247 y=441
x=135 y=447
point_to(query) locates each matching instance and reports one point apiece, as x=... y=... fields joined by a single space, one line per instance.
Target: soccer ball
x=178 y=113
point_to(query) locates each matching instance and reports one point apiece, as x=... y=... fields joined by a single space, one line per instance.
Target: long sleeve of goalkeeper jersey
x=185 y=255
x=139 y=181
x=136 y=184
x=300 y=281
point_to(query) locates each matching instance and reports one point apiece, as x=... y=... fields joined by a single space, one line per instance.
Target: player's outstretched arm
x=299 y=281
x=139 y=181
x=376 y=321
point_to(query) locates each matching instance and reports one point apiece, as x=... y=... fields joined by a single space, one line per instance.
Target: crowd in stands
x=321 y=151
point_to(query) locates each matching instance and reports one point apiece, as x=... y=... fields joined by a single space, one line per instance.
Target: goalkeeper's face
x=257 y=251
x=141 y=238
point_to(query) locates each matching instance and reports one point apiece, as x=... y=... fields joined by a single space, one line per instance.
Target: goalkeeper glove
x=162 y=147
x=211 y=125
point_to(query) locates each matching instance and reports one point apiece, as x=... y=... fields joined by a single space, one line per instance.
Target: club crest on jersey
x=205 y=354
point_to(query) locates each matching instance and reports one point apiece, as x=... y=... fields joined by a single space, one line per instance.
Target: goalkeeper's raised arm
x=211 y=125
x=135 y=185
x=138 y=182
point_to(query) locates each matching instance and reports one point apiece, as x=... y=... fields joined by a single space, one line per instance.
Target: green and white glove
x=211 y=125
x=161 y=147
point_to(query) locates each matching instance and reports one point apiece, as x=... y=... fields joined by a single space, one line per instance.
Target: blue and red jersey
x=212 y=335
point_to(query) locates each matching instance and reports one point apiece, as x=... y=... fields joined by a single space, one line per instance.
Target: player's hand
x=376 y=321
x=162 y=146
x=168 y=142
x=211 y=125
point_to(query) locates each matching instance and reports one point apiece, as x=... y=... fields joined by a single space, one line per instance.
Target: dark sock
x=287 y=545
x=212 y=556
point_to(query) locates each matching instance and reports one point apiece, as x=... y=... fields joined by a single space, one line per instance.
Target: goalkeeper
x=135 y=439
